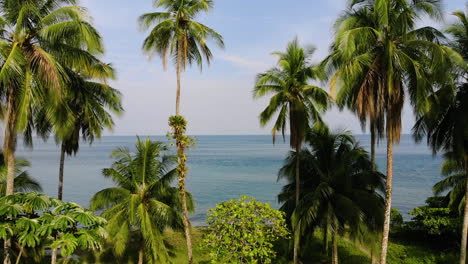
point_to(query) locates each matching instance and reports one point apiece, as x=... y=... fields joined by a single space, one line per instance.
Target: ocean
x=224 y=167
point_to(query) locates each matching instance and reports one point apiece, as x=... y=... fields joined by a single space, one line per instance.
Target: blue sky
x=218 y=100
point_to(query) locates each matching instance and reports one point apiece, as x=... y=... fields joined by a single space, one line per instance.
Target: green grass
x=179 y=247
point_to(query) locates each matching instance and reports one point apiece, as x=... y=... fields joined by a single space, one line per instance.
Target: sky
x=217 y=101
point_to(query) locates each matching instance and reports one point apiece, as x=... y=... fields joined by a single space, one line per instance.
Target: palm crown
x=144 y=202
x=177 y=34
x=90 y=105
x=378 y=52
x=23 y=181
x=293 y=98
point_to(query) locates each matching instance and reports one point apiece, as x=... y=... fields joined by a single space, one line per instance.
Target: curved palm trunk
x=388 y=199
x=464 y=236
x=298 y=186
x=335 y=249
x=9 y=148
x=62 y=165
x=183 y=169
x=20 y=254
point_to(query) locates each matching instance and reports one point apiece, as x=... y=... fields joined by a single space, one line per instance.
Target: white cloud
x=245 y=63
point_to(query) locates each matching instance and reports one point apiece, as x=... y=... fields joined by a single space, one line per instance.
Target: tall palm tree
x=88 y=106
x=446 y=126
x=39 y=38
x=390 y=59
x=176 y=33
x=338 y=187
x=23 y=181
x=144 y=203
x=361 y=97
x=293 y=100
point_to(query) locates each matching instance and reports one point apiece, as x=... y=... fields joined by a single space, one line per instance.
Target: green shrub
x=243 y=231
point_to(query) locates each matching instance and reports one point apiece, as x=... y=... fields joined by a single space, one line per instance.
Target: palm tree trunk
x=9 y=148
x=20 y=254
x=335 y=249
x=141 y=256
x=53 y=258
x=179 y=63
x=388 y=199
x=182 y=163
x=464 y=236
x=62 y=165
x=186 y=220
x=298 y=186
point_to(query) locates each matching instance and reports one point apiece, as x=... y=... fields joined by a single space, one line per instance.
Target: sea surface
x=224 y=167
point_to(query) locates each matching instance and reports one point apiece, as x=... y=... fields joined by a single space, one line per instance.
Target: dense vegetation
x=336 y=205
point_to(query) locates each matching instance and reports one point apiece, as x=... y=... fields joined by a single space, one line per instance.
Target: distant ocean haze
x=224 y=167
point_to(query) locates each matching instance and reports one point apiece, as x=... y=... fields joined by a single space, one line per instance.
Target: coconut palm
x=176 y=33
x=363 y=98
x=386 y=59
x=454 y=185
x=144 y=203
x=446 y=126
x=23 y=181
x=88 y=105
x=39 y=38
x=338 y=188
x=294 y=100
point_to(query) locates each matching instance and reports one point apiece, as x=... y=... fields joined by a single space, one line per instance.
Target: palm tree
x=338 y=187
x=446 y=126
x=454 y=185
x=39 y=38
x=88 y=105
x=361 y=97
x=175 y=33
x=293 y=100
x=383 y=56
x=23 y=181
x=144 y=203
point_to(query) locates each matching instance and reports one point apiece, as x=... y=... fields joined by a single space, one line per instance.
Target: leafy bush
x=35 y=220
x=434 y=221
x=396 y=219
x=243 y=231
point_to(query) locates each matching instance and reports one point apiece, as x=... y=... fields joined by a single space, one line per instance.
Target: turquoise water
x=224 y=167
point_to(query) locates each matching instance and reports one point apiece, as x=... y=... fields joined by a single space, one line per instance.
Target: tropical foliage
x=176 y=33
x=53 y=81
x=446 y=127
x=40 y=41
x=243 y=231
x=34 y=220
x=143 y=204
x=294 y=101
x=23 y=181
x=379 y=58
x=339 y=188
x=86 y=110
